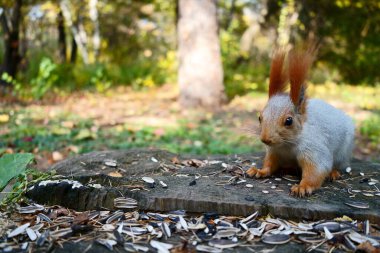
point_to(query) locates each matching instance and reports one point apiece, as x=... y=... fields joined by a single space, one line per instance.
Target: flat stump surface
x=204 y=184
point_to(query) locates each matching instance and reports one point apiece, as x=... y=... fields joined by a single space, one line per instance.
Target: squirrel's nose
x=266 y=141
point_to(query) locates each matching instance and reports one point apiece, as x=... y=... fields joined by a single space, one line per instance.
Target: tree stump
x=200 y=184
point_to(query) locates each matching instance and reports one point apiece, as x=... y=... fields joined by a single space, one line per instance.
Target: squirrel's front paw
x=301 y=190
x=258 y=173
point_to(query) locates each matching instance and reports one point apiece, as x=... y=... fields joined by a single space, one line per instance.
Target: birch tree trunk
x=200 y=73
x=94 y=16
x=64 y=4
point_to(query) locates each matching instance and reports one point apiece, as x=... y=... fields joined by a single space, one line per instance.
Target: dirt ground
x=158 y=107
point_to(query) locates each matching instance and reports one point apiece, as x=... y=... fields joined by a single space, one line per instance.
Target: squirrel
x=306 y=134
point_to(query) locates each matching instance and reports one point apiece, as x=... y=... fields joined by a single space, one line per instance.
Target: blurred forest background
x=77 y=76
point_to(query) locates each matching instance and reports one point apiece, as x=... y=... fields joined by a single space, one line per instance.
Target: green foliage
x=45 y=79
x=370 y=128
x=24 y=181
x=12 y=165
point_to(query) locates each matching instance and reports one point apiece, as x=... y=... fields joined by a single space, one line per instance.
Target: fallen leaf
x=68 y=124
x=175 y=160
x=4 y=118
x=81 y=218
x=57 y=156
x=193 y=163
x=115 y=174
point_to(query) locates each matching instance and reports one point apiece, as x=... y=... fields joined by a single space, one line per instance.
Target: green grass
x=27 y=131
x=370 y=128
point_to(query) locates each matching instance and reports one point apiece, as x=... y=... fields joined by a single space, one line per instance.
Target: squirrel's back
x=330 y=127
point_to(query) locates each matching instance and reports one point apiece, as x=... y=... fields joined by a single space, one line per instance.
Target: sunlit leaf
x=12 y=165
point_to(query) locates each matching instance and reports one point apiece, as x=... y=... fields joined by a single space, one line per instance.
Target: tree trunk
x=74 y=50
x=61 y=37
x=200 y=73
x=11 y=41
x=64 y=4
x=94 y=16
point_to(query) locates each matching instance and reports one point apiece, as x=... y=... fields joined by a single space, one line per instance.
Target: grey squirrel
x=302 y=133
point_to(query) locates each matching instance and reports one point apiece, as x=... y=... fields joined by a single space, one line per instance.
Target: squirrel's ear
x=299 y=65
x=278 y=77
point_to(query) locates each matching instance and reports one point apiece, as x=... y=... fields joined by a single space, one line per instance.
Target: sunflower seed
x=163 y=184
x=251 y=217
x=30 y=209
x=165 y=228
x=44 y=217
x=249 y=198
x=148 y=180
x=131 y=231
x=135 y=247
x=249 y=185
x=205 y=248
x=41 y=239
x=110 y=163
x=358 y=204
x=222 y=243
x=366 y=227
x=19 y=230
x=125 y=203
x=224 y=234
x=358 y=238
x=348 y=243
x=32 y=235
x=332 y=226
x=266 y=192
x=107 y=243
x=115 y=216
x=183 y=223
x=305 y=226
x=275 y=239
x=328 y=234
x=160 y=246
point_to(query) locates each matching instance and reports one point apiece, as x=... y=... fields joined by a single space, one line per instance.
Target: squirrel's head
x=282 y=118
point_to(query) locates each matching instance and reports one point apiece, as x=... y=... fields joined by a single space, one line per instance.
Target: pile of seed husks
x=137 y=231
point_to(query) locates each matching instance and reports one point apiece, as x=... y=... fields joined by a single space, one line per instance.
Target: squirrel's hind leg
x=269 y=167
x=334 y=175
x=312 y=179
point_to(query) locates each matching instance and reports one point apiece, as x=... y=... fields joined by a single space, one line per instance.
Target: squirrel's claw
x=334 y=175
x=301 y=191
x=251 y=172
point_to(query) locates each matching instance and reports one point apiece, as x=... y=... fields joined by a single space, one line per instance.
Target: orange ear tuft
x=299 y=65
x=277 y=78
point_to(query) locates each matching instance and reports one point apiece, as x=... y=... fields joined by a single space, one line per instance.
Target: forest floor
x=123 y=118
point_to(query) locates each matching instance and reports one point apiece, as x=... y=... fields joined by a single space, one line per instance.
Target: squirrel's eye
x=289 y=121
x=260 y=119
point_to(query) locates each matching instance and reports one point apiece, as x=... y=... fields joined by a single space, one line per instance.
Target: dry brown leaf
x=175 y=160
x=115 y=174
x=57 y=156
x=81 y=218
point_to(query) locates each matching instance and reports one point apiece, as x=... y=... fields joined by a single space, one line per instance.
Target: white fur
x=326 y=138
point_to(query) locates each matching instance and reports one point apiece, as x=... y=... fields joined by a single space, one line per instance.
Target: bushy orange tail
x=299 y=65
x=278 y=76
